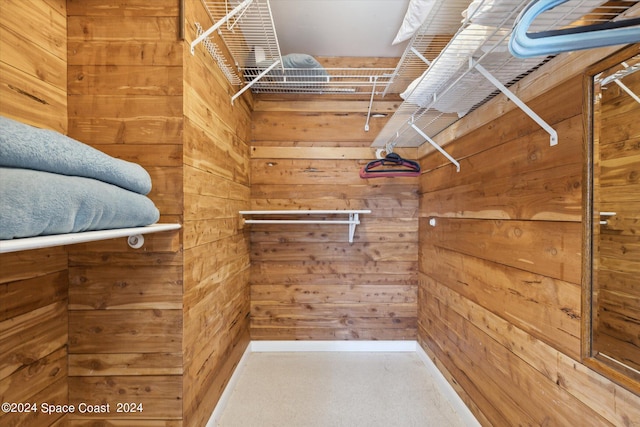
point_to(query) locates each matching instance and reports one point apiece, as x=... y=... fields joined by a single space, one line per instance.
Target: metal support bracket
x=373 y=92
x=553 y=135
x=354 y=220
x=436 y=146
x=252 y=82
x=421 y=56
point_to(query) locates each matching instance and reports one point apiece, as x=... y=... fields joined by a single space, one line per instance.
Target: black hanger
x=392 y=165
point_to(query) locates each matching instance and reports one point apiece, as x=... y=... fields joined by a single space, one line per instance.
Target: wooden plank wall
x=307 y=281
x=216 y=252
x=500 y=272
x=125 y=305
x=33 y=284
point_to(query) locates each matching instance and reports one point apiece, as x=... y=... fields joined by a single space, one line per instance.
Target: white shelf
x=245 y=27
x=353 y=221
x=133 y=234
x=473 y=66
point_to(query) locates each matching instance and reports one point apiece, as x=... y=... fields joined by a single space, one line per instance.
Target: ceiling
x=360 y=28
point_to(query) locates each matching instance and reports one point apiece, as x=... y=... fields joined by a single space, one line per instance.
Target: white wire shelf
x=327 y=80
x=133 y=235
x=455 y=76
x=353 y=217
x=251 y=58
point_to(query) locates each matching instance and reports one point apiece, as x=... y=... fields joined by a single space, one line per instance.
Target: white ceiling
x=363 y=28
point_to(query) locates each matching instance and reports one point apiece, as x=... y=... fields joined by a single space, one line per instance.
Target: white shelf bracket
x=419 y=55
x=252 y=82
x=354 y=220
x=136 y=241
x=373 y=92
x=242 y=6
x=436 y=146
x=553 y=135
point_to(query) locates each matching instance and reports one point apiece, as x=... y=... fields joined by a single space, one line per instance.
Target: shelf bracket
x=373 y=92
x=436 y=146
x=420 y=56
x=553 y=135
x=242 y=6
x=354 y=220
x=252 y=82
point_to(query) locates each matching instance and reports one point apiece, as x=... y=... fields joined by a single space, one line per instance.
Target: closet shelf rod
x=242 y=6
x=133 y=235
x=353 y=221
x=553 y=135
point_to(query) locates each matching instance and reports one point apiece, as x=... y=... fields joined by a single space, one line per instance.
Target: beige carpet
x=327 y=389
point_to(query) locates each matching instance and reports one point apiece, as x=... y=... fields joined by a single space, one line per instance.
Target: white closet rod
x=134 y=237
x=353 y=221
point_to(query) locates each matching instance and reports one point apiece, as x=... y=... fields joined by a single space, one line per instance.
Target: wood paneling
x=307 y=281
x=160 y=396
x=33 y=284
x=33 y=63
x=216 y=252
x=125 y=312
x=499 y=299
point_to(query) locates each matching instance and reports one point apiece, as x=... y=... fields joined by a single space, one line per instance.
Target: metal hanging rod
x=353 y=221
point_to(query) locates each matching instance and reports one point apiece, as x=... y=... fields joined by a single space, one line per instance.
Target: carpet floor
x=336 y=389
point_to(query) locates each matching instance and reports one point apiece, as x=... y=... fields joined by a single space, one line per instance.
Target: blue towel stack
x=53 y=184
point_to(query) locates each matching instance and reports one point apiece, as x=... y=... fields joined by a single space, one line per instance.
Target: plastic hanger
x=525 y=45
x=392 y=165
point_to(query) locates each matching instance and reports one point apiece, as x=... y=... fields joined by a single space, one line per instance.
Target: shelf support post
x=553 y=135
x=373 y=92
x=354 y=220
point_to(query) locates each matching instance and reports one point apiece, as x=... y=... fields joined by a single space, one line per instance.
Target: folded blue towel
x=35 y=203
x=28 y=147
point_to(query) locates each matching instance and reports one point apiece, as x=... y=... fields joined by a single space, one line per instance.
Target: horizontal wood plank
x=112 y=27
x=31 y=336
x=55 y=393
x=546 y=308
x=24 y=296
x=123 y=287
x=125 y=364
x=137 y=130
x=124 y=80
x=298 y=126
x=160 y=396
x=125 y=331
x=28 y=99
x=124 y=52
x=550 y=249
x=133 y=8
